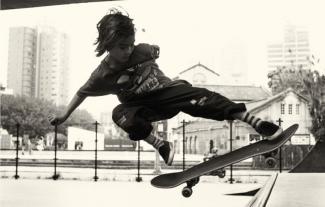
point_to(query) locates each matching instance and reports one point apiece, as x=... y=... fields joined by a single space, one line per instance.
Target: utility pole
x=280 y=149
x=184 y=144
x=96 y=141
x=231 y=166
x=17 y=148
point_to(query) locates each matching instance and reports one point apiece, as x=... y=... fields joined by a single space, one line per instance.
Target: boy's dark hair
x=111 y=28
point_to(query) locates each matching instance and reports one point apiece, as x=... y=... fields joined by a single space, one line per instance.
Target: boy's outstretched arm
x=74 y=103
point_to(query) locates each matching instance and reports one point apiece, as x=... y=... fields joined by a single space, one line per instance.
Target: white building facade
x=81 y=139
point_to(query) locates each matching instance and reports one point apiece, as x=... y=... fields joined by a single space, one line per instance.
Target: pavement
x=77 y=187
x=291 y=190
x=62 y=193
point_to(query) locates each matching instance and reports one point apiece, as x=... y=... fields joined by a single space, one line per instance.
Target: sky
x=187 y=32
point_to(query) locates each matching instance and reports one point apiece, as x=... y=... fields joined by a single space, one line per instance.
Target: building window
x=297 y=108
x=282 y=108
x=290 y=109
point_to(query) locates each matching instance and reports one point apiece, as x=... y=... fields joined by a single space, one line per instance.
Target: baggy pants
x=135 y=117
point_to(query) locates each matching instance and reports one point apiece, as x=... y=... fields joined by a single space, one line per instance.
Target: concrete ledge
x=262 y=196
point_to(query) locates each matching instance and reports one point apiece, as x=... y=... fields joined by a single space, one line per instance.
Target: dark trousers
x=136 y=117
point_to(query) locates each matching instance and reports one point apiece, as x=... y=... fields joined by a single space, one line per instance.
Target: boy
x=145 y=93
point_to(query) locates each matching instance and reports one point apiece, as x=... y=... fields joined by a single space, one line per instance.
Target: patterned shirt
x=140 y=76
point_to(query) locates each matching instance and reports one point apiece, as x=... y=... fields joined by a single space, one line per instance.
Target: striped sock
x=249 y=119
x=154 y=141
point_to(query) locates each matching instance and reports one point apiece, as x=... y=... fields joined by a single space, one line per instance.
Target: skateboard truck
x=271 y=158
x=187 y=191
x=221 y=173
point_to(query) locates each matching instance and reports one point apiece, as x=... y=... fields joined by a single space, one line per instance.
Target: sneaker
x=167 y=152
x=269 y=130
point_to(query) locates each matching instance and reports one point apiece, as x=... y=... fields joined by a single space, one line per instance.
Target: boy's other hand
x=56 y=120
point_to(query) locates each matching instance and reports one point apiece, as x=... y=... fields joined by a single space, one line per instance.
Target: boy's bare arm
x=74 y=103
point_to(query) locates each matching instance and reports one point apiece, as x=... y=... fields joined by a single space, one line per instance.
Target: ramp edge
x=262 y=196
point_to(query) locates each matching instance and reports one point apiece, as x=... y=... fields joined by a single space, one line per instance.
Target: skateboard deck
x=171 y=180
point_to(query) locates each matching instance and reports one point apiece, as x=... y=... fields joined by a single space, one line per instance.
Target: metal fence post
x=138 y=178
x=231 y=139
x=183 y=122
x=17 y=149
x=55 y=176
x=96 y=127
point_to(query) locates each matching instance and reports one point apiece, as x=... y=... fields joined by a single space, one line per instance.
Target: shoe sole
x=275 y=135
x=171 y=154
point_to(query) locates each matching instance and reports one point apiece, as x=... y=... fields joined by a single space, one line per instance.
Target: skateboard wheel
x=187 y=192
x=270 y=162
x=222 y=174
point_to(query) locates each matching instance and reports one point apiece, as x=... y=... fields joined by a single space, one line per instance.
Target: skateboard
x=192 y=175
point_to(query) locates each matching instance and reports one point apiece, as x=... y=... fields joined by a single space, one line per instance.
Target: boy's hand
x=56 y=120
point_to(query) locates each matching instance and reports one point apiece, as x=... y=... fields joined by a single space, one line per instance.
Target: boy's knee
x=136 y=127
x=140 y=133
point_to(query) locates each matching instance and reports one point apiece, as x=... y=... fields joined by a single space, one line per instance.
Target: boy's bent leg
x=165 y=148
x=211 y=105
x=267 y=129
x=132 y=121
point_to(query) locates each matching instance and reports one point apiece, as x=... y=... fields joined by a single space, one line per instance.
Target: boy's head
x=112 y=29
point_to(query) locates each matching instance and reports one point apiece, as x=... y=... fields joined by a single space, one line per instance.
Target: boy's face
x=122 y=50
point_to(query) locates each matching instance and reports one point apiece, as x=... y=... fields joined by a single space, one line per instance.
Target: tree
x=288 y=77
x=315 y=86
x=308 y=83
x=31 y=114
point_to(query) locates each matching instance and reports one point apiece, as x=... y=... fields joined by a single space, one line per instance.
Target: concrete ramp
x=291 y=190
x=314 y=161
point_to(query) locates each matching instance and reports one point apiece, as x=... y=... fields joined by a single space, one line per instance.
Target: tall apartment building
x=234 y=63
x=38 y=63
x=294 y=50
x=22 y=60
x=52 y=74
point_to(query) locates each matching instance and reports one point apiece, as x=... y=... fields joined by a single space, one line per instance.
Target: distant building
x=199 y=74
x=233 y=62
x=38 y=63
x=210 y=80
x=5 y=139
x=22 y=54
x=293 y=51
x=288 y=106
x=81 y=139
x=52 y=76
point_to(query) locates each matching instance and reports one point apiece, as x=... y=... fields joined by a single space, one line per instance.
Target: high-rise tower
x=22 y=60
